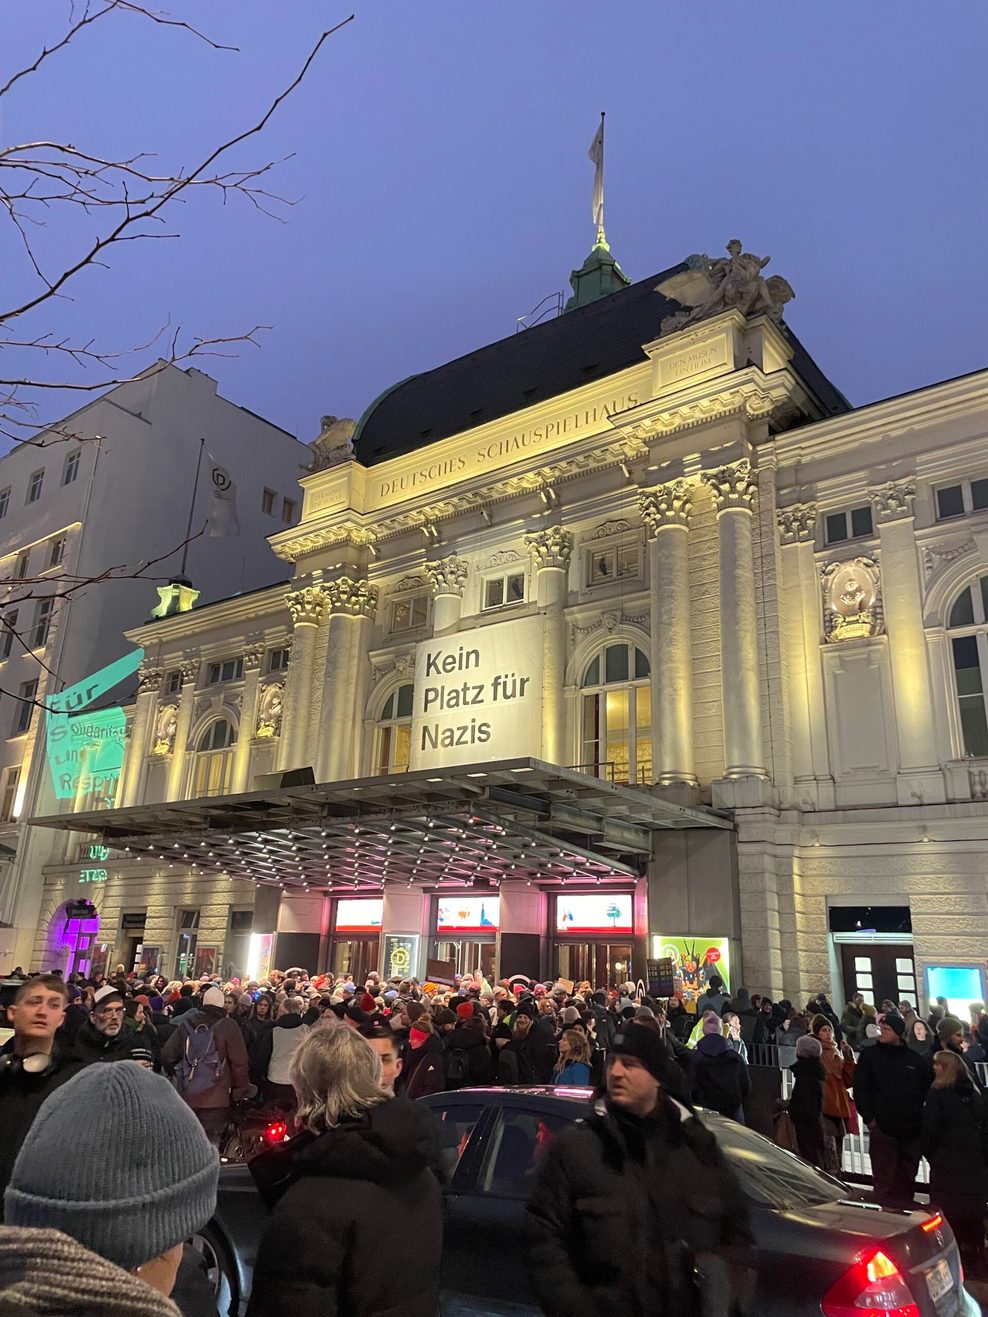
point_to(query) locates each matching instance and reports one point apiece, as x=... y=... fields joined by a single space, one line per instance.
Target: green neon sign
x=86 y=750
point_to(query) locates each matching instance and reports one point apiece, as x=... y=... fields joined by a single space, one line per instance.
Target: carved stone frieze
x=617 y=526
x=893 y=500
x=408 y=583
x=797 y=523
x=398 y=665
x=852 y=599
x=551 y=547
x=352 y=598
x=503 y=558
x=666 y=505
x=150 y=678
x=447 y=575
x=253 y=657
x=308 y=606
x=270 y=708
x=189 y=668
x=732 y=486
x=165 y=727
x=609 y=622
x=937 y=556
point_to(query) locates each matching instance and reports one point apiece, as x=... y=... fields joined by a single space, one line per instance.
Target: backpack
x=457 y=1068
x=201 y=1067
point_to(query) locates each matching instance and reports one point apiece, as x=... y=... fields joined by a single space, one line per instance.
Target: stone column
x=253 y=655
x=447 y=577
x=308 y=607
x=183 y=722
x=351 y=612
x=137 y=745
x=666 y=512
x=733 y=489
x=551 y=550
x=920 y=778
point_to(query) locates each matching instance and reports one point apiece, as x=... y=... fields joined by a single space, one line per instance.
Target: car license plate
x=939 y=1281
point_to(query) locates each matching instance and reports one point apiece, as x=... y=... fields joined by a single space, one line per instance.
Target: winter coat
x=820 y=1006
x=574 y=1074
x=712 y=1000
x=764 y=1032
x=44 y=1273
x=621 y=1208
x=322 y=1252
x=852 y=1024
x=840 y=1077
x=543 y=1036
x=955 y=1143
x=164 y=1026
x=720 y=1078
x=680 y=1022
x=746 y=1013
x=21 y=1095
x=517 y=1062
x=425 y=1069
x=890 y=1087
x=91 y=1045
x=265 y=1050
x=234 y=1082
x=806 y=1101
x=480 y=1063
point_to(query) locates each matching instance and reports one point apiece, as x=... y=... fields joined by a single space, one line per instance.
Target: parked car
x=820 y=1249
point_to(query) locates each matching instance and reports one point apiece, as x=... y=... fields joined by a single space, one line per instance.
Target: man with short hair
x=388 y=1048
x=103 y=1036
x=890 y=1087
x=950 y=1038
x=32 y=1064
x=640 y=1168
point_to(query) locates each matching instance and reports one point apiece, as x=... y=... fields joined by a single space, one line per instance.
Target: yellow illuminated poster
x=695 y=959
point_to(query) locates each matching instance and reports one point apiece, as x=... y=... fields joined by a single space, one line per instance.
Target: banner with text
x=479 y=695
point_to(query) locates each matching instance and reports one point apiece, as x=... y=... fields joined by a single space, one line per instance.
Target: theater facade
x=622 y=638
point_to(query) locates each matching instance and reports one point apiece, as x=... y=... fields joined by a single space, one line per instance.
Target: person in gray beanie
x=128 y=1186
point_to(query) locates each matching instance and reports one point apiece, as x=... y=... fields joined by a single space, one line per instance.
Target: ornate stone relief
x=189 y=668
x=852 y=600
x=307 y=606
x=732 y=486
x=797 y=523
x=447 y=575
x=354 y=598
x=937 y=556
x=608 y=622
x=666 y=505
x=619 y=526
x=150 y=678
x=408 y=583
x=165 y=727
x=398 y=665
x=894 y=500
x=727 y=283
x=551 y=547
x=270 y=708
x=253 y=656
x=503 y=558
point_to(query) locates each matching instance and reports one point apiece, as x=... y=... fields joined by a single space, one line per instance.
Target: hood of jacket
x=44 y=1273
x=292 y=1021
x=715 y=1047
x=742 y=1000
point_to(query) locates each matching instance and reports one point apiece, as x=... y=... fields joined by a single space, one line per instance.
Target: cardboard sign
x=567 y=985
x=441 y=971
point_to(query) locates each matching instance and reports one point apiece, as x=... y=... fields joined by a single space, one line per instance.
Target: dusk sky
x=444 y=186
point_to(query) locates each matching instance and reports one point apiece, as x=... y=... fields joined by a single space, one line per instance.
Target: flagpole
x=192 y=509
x=601 y=237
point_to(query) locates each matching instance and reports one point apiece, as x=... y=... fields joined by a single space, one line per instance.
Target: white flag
x=596 y=154
x=223 y=504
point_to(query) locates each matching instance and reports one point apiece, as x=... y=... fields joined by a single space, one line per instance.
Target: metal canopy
x=516 y=819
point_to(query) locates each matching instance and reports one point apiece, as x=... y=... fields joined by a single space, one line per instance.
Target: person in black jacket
x=468 y=1061
x=362 y=1159
x=721 y=1081
x=103 y=1036
x=890 y=1086
x=517 y=1062
x=424 y=1071
x=636 y=1203
x=806 y=1102
x=955 y=1143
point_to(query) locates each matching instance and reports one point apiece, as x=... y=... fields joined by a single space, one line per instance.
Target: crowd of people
x=348 y=1060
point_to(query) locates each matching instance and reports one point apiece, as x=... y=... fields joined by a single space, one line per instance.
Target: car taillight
x=276 y=1132
x=873 y=1287
x=934 y=1223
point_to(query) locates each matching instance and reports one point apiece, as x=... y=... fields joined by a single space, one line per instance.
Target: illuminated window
x=288 y=509
x=617 y=715
x=27 y=694
x=850 y=525
x=618 y=562
x=4 y=502
x=503 y=591
x=42 y=623
x=71 y=468
x=394 y=732
x=228 y=670
x=21 y=564
x=212 y=773
x=56 y=551
x=8 y=633
x=10 y=781
x=34 y=486
x=968 y=625
x=278 y=660
x=961 y=499
x=268 y=498
x=408 y=614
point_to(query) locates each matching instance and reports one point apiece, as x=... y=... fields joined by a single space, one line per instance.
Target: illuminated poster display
x=596 y=914
x=401 y=955
x=469 y=914
x=695 y=959
x=86 y=750
x=356 y=915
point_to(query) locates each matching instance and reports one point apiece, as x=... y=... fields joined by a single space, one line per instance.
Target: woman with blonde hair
x=362 y=1157
x=955 y=1143
x=573 y=1066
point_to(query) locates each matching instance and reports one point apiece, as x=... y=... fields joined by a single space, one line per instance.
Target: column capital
x=797 y=523
x=253 y=655
x=447 y=575
x=149 y=678
x=551 y=547
x=893 y=500
x=732 y=486
x=666 y=505
x=351 y=598
x=308 y=606
x=189 y=668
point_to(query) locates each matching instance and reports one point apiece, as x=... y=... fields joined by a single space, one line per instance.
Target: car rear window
x=769 y=1175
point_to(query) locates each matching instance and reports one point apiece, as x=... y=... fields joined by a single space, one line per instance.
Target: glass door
x=468 y=955
x=601 y=964
x=356 y=956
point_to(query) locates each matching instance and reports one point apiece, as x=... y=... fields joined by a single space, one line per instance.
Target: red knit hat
x=367 y=1002
x=465 y=1010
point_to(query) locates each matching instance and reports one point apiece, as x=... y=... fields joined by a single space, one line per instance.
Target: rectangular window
x=8 y=633
x=4 y=502
x=21 y=564
x=278 y=660
x=503 y=591
x=7 y=800
x=42 y=623
x=71 y=468
x=619 y=562
x=960 y=499
x=34 y=486
x=268 y=497
x=228 y=670
x=25 y=707
x=407 y=614
x=950 y=502
x=970 y=695
x=173 y=683
x=288 y=506
x=850 y=525
x=56 y=551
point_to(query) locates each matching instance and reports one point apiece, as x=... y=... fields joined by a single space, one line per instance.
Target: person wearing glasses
x=31 y=1063
x=103 y=1036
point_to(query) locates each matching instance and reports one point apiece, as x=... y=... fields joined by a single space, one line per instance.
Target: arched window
x=394 y=732
x=968 y=624
x=616 y=714
x=212 y=770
